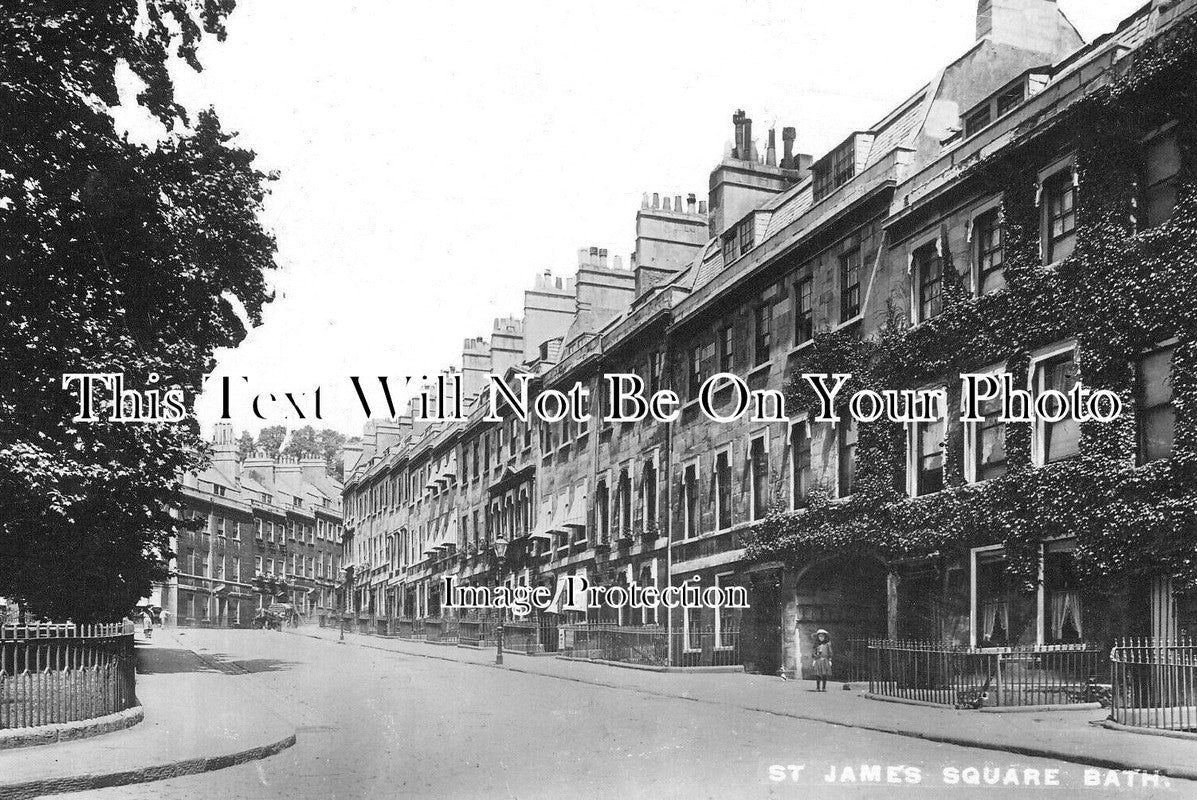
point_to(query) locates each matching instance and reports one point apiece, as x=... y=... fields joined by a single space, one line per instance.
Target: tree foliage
x=116 y=259
x=270 y=440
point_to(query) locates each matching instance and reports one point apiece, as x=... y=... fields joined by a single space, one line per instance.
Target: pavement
x=196 y=718
x=385 y=717
x=1073 y=736
x=381 y=723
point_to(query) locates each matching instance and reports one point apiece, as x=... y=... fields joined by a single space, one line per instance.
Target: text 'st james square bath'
x=600 y=400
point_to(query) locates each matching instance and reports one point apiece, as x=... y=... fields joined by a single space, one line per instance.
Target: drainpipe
x=667 y=377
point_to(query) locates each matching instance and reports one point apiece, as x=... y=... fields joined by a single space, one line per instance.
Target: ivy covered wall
x=1122 y=291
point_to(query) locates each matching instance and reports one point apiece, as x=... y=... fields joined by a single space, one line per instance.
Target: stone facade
x=788 y=247
x=275 y=518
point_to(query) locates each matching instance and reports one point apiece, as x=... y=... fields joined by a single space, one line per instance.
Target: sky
x=434 y=157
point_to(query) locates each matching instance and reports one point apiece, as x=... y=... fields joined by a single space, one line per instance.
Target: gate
x=548 y=631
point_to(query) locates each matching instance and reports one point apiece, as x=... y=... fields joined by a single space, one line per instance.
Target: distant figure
x=147 y=623
x=164 y=615
x=822 y=659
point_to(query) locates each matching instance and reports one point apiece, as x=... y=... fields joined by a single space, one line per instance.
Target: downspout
x=667 y=369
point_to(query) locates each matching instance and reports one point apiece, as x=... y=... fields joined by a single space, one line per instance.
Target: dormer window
x=1005 y=100
x=1010 y=99
x=835 y=169
x=738 y=240
x=976 y=120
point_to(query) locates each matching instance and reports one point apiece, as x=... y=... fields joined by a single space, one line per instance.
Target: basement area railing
x=1154 y=683
x=967 y=677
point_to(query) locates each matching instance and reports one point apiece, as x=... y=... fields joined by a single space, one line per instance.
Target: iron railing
x=477 y=630
x=1154 y=683
x=651 y=645
x=851 y=660
x=965 y=677
x=63 y=673
x=445 y=630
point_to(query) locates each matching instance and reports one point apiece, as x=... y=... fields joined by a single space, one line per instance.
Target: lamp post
x=500 y=546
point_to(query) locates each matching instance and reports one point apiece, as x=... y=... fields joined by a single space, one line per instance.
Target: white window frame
x=971 y=429
x=695 y=462
x=654 y=458
x=726 y=450
x=762 y=434
x=912 y=278
x=644 y=609
x=839 y=453
x=687 y=646
x=719 y=645
x=1068 y=162
x=1033 y=386
x=803 y=421
x=1169 y=343
x=978 y=211
x=912 y=447
x=973 y=552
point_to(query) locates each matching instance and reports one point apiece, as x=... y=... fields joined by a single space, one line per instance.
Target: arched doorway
x=846 y=595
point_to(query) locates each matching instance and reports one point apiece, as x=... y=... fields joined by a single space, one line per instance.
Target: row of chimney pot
x=675 y=204
x=597 y=257
x=745 y=148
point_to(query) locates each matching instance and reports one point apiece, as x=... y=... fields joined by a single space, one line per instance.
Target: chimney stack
x=656 y=200
x=771 y=149
x=1035 y=25
x=690 y=201
x=702 y=207
x=602 y=258
x=224 y=451
x=743 y=127
x=668 y=204
x=787 y=147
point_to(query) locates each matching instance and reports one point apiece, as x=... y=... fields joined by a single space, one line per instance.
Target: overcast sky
x=435 y=156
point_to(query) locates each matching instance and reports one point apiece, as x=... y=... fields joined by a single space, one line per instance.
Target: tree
x=117 y=258
x=245 y=446
x=331 y=442
x=270 y=439
x=301 y=443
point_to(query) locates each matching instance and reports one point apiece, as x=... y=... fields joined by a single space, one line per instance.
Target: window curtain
x=1066 y=606
x=991 y=613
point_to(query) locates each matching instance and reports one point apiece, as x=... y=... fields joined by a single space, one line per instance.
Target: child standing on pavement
x=822 y=659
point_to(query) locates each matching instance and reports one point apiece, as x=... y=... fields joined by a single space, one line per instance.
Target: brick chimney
x=743 y=128
x=224 y=451
x=260 y=467
x=313 y=468
x=787 y=147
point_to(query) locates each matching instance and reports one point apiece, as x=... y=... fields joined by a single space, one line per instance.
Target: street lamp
x=500 y=546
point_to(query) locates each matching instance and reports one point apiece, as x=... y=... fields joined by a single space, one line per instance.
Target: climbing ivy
x=1122 y=291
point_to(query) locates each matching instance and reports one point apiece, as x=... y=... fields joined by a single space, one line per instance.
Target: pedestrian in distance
x=822 y=659
x=147 y=622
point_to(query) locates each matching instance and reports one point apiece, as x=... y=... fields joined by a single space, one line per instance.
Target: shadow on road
x=169 y=660
x=250 y=665
x=175 y=660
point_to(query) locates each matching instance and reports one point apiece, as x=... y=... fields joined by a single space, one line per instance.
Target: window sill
x=793 y=351
x=850 y=321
